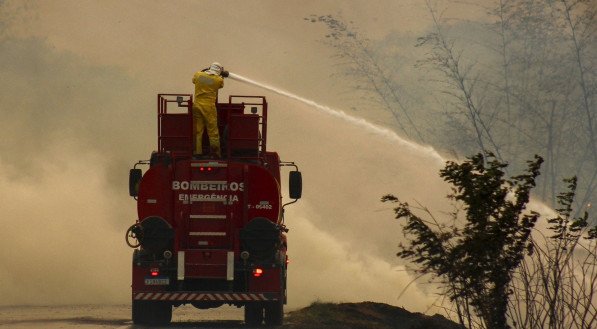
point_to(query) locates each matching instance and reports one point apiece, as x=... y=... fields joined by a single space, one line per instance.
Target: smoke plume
x=79 y=109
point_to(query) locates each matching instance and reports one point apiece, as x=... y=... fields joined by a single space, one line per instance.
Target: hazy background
x=77 y=94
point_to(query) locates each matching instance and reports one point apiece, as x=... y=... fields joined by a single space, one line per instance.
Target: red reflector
x=155 y=271
x=257 y=272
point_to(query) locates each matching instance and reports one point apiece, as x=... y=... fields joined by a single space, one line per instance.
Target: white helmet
x=215 y=69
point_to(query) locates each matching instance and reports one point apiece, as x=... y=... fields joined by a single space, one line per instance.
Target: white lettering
x=184 y=185
x=228 y=199
x=208 y=186
x=234 y=186
x=184 y=198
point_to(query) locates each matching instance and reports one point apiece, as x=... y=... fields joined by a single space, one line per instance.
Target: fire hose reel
x=153 y=234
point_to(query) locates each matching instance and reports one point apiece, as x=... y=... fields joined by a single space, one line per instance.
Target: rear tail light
x=155 y=271
x=257 y=272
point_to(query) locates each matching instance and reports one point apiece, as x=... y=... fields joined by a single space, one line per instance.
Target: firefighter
x=207 y=83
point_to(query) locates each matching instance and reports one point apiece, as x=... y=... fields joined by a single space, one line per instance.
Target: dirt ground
x=364 y=315
x=112 y=316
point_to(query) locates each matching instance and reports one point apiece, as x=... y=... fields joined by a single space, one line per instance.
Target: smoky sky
x=50 y=96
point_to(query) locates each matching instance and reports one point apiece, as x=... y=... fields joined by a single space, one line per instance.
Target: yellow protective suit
x=204 y=110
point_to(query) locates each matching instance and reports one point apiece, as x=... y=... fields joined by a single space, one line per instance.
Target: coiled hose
x=134 y=232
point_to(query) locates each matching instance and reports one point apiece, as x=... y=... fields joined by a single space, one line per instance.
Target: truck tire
x=140 y=313
x=151 y=313
x=253 y=314
x=274 y=313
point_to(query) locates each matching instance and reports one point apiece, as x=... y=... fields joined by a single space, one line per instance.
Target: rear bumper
x=188 y=296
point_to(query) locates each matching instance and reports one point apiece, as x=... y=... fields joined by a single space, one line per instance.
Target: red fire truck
x=210 y=231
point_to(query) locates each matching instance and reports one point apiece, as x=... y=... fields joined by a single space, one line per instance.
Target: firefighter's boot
x=215 y=151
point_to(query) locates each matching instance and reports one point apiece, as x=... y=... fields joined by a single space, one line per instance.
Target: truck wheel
x=253 y=314
x=140 y=312
x=163 y=313
x=151 y=313
x=274 y=313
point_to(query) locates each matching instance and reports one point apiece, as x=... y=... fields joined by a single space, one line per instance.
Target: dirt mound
x=365 y=315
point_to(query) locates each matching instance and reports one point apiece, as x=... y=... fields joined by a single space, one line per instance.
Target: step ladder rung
x=207 y=216
x=207 y=233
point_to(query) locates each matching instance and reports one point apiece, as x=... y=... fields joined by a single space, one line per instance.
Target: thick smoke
x=64 y=164
x=65 y=214
x=60 y=244
x=343 y=237
x=73 y=123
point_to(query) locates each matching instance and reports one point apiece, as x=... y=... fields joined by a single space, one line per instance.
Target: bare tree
x=463 y=83
x=362 y=65
x=531 y=95
x=581 y=27
x=556 y=287
x=521 y=83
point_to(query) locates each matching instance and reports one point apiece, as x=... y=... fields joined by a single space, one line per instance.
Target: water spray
x=378 y=130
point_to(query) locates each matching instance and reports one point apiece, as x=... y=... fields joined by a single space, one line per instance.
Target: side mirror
x=134 y=180
x=295 y=184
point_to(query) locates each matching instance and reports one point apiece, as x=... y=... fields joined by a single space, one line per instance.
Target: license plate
x=157 y=281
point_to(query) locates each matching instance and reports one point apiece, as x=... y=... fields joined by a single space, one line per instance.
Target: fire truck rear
x=210 y=231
